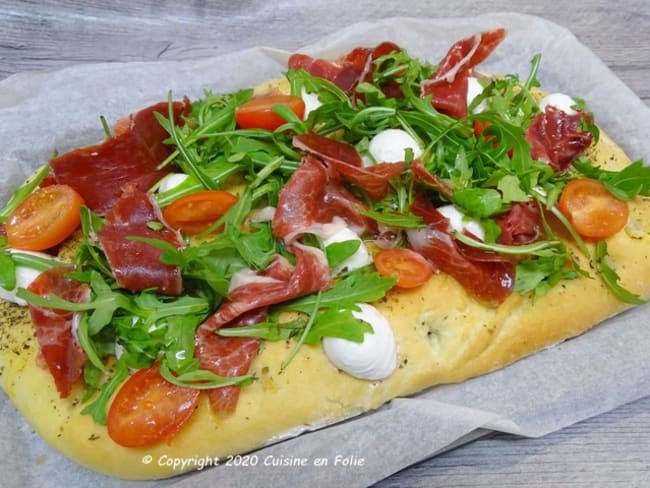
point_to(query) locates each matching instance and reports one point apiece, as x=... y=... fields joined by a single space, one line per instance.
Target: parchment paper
x=591 y=374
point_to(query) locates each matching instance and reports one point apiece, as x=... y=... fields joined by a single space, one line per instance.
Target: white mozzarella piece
x=474 y=89
x=311 y=102
x=560 y=101
x=359 y=259
x=460 y=222
x=373 y=359
x=172 y=180
x=24 y=277
x=390 y=145
x=264 y=214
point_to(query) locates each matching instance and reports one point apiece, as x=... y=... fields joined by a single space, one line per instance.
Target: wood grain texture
x=612 y=449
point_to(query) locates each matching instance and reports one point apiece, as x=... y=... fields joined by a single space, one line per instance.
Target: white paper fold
x=591 y=374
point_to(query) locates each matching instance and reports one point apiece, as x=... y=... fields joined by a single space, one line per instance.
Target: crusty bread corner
x=443 y=336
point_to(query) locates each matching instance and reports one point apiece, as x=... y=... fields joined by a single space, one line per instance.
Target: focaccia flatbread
x=443 y=335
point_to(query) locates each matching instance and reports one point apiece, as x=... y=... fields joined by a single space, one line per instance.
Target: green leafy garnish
x=338 y=252
x=611 y=278
x=22 y=192
x=626 y=184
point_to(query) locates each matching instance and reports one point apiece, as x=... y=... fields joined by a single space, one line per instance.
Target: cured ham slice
x=486 y=275
x=345 y=159
x=422 y=175
x=99 y=173
x=522 y=224
x=311 y=199
x=448 y=84
x=348 y=70
x=556 y=137
x=228 y=356
x=136 y=265
x=311 y=274
x=231 y=356
x=54 y=328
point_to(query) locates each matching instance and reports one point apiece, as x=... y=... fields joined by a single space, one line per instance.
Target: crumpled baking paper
x=556 y=387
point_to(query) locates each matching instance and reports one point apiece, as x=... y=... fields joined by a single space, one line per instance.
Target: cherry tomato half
x=193 y=213
x=409 y=267
x=592 y=210
x=257 y=113
x=148 y=409
x=45 y=218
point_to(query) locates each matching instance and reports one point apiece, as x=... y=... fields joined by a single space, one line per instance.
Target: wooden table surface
x=612 y=449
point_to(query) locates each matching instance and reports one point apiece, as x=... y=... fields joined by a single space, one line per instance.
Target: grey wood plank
x=612 y=449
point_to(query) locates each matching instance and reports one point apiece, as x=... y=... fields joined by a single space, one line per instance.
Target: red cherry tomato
x=592 y=210
x=193 y=213
x=257 y=113
x=148 y=409
x=409 y=267
x=45 y=218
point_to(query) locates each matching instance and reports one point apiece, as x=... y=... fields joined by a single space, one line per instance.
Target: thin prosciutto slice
x=232 y=356
x=98 y=173
x=448 y=84
x=54 y=328
x=522 y=224
x=312 y=199
x=136 y=265
x=348 y=70
x=423 y=175
x=228 y=356
x=485 y=275
x=556 y=137
x=345 y=159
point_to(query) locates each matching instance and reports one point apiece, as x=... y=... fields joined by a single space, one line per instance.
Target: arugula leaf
x=7 y=271
x=625 y=184
x=189 y=159
x=510 y=188
x=332 y=322
x=268 y=331
x=395 y=219
x=338 y=252
x=611 y=278
x=305 y=332
x=538 y=248
x=179 y=343
x=336 y=322
x=37 y=262
x=202 y=379
x=360 y=285
x=541 y=273
x=258 y=247
x=478 y=202
x=22 y=192
x=97 y=409
x=87 y=345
